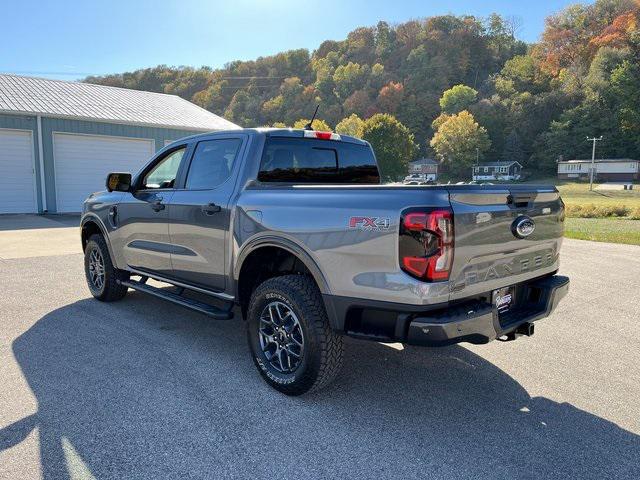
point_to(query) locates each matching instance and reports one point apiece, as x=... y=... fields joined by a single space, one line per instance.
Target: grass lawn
x=611 y=229
x=577 y=193
x=614 y=230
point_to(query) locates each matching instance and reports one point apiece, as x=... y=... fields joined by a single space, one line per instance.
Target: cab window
x=212 y=162
x=164 y=173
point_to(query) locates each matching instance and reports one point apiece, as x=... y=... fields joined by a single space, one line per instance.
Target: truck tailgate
x=490 y=252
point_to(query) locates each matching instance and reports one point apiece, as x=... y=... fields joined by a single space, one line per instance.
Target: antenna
x=309 y=126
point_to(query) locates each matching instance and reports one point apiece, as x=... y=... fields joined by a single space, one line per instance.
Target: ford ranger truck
x=293 y=231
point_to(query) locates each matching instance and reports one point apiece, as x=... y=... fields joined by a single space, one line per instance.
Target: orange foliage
x=564 y=43
x=616 y=34
x=390 y=97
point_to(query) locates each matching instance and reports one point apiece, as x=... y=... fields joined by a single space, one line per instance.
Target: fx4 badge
x=369 y=223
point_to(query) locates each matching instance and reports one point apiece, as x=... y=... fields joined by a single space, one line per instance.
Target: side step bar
x=210 y=310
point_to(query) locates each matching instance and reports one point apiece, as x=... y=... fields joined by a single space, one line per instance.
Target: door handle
x=210 y=208
x=158 y=205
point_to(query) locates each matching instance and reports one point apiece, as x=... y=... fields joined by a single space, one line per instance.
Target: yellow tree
x=352 y=125
x=318 y=124
x=457 y=142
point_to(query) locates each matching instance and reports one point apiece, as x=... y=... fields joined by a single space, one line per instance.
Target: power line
x=87 y=74
x=37 y=72
x=251 y=86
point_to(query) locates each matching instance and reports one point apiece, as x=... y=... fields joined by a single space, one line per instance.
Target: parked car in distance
x=417 y=179
x=293 y=230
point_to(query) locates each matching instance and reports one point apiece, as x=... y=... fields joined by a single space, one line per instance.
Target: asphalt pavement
x=144 y=389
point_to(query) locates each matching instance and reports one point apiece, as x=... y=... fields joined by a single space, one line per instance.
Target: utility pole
x=593 y=159
x=477 y=163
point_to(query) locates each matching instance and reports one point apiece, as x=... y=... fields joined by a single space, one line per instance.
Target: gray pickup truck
x=293 y=230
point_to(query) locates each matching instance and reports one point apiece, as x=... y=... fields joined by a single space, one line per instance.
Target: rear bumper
x=481 y=323
x=475 y=321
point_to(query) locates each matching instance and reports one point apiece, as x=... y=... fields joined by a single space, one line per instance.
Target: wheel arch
x=245 y=278
x=92 y=224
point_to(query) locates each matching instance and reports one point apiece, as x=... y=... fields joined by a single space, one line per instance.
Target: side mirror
x=119 y=182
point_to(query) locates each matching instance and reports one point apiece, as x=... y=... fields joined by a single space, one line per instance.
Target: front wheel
x=102 y=277
x=291 y=341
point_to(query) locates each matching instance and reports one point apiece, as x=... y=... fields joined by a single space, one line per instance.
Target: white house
x=606 y=169
x=424 y=166
x=497 y=171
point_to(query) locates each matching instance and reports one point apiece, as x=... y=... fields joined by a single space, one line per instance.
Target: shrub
x=635 y=214
x=612 y=211
x=601 y=211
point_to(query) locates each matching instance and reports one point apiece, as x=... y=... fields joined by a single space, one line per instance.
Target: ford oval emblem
x=523 y=226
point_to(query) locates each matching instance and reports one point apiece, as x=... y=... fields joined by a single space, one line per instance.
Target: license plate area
x=503 y=299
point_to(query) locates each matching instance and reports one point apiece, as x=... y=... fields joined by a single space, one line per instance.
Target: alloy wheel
x=281 y=337
x=96 y=269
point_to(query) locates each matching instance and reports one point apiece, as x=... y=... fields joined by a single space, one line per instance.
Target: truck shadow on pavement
x=143 y=389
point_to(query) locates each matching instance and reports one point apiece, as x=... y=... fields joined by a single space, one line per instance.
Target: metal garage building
x=58 y=139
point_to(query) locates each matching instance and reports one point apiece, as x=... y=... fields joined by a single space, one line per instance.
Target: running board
x=210 y=310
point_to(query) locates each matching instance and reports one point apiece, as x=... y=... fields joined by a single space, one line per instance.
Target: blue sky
x=70 y=39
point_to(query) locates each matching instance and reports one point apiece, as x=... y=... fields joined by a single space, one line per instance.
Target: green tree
x=513 y=151
x=625 y=82
x=522 y=74
x=457 y=141
x=457 y=98
x=352 y=125
x=392 y=143
x=350 y=77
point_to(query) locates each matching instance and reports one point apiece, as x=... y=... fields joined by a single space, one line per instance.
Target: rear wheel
x=102 y=277
x=292 y=343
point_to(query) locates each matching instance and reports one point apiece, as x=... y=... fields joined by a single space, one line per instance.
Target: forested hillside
x=463 y=86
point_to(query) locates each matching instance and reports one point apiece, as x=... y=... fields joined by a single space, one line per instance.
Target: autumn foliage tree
x=536 y=101
x=352 y=125
x=458 y=141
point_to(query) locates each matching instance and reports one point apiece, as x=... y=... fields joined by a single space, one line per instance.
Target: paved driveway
x=23 y=236
x=144 y=389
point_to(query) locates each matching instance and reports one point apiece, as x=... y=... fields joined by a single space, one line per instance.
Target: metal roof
x=497 y=164
x=424 y=161
x=599 y=160
x=85 y=101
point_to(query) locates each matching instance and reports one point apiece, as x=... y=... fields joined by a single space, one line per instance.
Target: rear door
x=503 y=235
x=200 y=214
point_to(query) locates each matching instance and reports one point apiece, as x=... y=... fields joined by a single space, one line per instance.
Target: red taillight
x=321 y=135
x=426 y=244
x=415 y=221
x=417 y=266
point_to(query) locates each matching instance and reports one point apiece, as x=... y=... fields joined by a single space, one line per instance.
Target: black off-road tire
x=110 y=290
x=323 y=348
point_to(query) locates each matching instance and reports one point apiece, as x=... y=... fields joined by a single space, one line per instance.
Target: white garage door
x=82 y=163
x=17 y=174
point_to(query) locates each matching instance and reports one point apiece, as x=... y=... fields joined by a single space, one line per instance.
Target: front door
x=199 y=213
x=142 y=216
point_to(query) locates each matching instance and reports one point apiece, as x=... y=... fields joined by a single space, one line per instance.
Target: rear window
x=303 y=160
